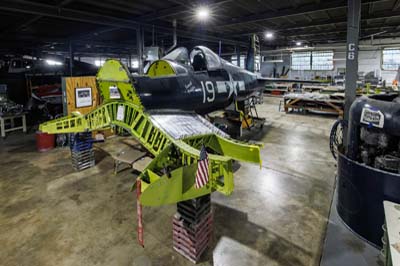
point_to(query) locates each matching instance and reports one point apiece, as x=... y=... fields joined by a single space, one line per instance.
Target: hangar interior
x=200 y=132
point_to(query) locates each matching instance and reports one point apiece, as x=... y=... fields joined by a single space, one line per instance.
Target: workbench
x=321 y=105
x=9 y=117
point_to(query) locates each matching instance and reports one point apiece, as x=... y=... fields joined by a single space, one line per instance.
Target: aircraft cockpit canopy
x=202 y=58
x=179 y=55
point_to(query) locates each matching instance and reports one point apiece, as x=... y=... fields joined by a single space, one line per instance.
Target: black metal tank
x=368 y=172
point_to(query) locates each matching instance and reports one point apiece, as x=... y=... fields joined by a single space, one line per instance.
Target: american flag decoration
x=202 y=169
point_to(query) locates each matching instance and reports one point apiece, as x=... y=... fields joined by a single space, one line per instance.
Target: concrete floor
x=343 y=247
x=51 y=215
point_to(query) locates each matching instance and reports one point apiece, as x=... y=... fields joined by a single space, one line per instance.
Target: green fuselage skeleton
x=173 y=137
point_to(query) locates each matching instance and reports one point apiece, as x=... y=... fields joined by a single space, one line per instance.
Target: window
x=322 y=60
x=317 y=60
x=301 y=61
x=390 y=59
x=242 y=60
x=99 y=62
x=135 y=63
x=257 y=63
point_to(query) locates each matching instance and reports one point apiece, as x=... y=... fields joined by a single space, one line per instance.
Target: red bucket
x=44 y=141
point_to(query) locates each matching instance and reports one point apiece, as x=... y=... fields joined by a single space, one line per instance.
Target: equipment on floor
x=8 y=107
x=241 y=116
x=369 y=166
x=375 y=132
x=314 y=102
x=44 y=141
x=336 y=137
x=9 y=113
x=82 y=154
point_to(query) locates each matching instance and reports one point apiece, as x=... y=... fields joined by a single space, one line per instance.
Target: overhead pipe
x=175 y=39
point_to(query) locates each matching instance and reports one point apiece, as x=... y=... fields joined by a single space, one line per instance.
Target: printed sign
x=372 y=117
x=83 y=97
x=114 y=93
x=120 y=113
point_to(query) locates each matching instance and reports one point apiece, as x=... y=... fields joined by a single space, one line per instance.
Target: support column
x=238 y=55
x=139 y=45
x=353 y=29
x=71 y=59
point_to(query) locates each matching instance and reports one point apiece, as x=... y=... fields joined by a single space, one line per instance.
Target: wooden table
x=332 y=106
x=127 y=156
x=3 y=120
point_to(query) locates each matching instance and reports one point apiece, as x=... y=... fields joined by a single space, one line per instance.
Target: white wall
x=369 y=59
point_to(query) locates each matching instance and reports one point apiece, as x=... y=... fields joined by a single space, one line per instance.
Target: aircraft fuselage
x=199 y=91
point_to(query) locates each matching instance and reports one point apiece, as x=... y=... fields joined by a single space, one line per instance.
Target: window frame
x=311 y=60
x=291 y=61
x=323 y=51
x=382 y=61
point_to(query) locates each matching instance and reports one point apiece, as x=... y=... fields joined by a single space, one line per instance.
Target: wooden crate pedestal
x=192 y=227
x=82 y=154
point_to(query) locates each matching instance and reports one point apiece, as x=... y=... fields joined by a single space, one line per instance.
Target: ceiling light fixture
x=203 y=13
x=298 y=43
x=53 y=63
x=269 y=35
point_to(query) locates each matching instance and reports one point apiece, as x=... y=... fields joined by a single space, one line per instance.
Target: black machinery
x=369 y=166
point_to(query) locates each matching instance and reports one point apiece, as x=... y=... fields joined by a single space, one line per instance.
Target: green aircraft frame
x=170 y=176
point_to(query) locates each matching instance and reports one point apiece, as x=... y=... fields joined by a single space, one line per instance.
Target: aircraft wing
x=271 y=80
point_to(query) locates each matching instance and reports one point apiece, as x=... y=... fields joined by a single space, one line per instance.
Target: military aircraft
x=162 y=110
x=201 y=82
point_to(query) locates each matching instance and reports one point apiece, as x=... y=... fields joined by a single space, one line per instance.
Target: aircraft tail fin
x=252 y=53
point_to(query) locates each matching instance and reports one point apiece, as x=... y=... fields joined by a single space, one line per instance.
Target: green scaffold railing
x=170 y=177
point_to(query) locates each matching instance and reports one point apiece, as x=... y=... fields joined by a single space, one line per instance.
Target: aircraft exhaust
x=175 y=39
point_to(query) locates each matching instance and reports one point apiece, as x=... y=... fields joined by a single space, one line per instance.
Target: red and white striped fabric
x=202 y=169
x=139 y=212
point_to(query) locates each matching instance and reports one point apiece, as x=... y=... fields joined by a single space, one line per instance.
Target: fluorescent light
x=301 y=48
x=203 y=13
x=298 y=43
x=53 y=63
x=269 y=35
x=274 y=61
